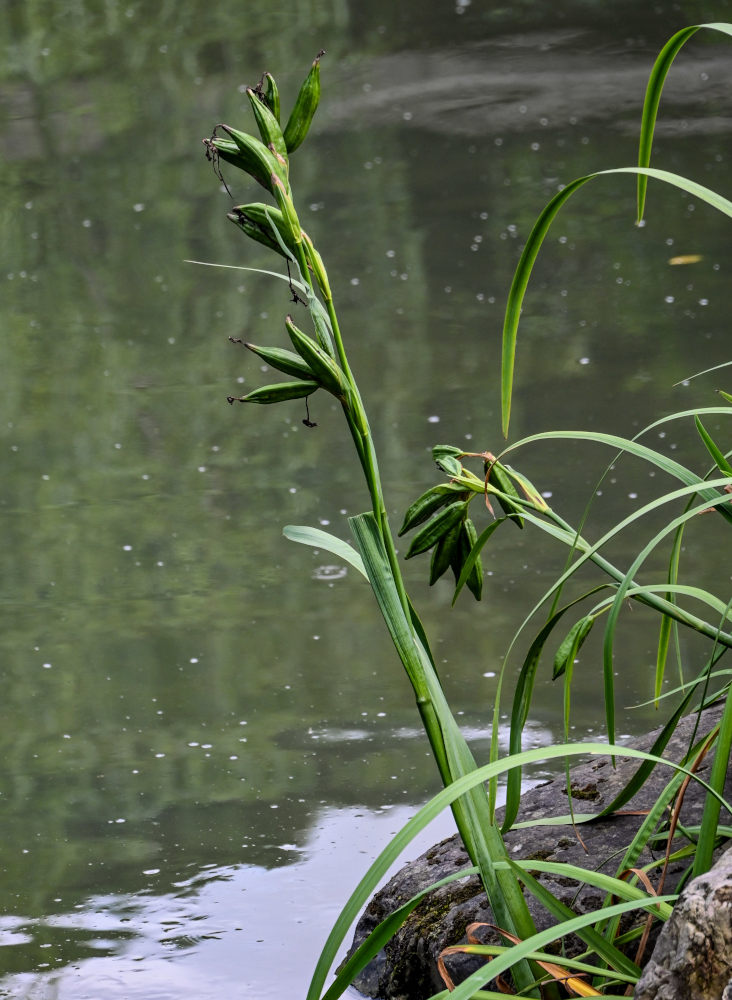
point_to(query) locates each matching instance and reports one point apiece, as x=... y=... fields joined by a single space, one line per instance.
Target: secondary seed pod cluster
x=446 y=528
x=266 y=158
x=441 y=515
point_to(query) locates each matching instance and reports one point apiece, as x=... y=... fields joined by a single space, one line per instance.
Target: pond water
x=205 y=733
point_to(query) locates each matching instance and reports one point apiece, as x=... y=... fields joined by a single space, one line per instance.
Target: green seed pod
x=306 y=105
x=570 y=645
x=442 y=553
x=436 y=528
x=316 y=265
x=324 y=369
x=499 y=477
x=278 y=392
x=257 y=221
x=253 y=157
x=272 y=95
x=269 y=127
x=287 y=207
x=446 y=457
x=426 y=505
x=284 y=361
x=468 y=538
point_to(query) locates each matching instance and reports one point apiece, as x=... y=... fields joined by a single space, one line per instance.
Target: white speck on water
x=391 y=253
x=47 y=666
x=158 y=755
x=193 y=659
x=434 y=419
x=633 y=496
x=117 y=445
x=407 y=116
x=201 y=468
x=669 y=299
x=355 y=281
x=584 y=361
x=127 y=548
x=703 y=302
x=138 y=207
x=86 y=223
x=547 y=494
x=329 y=572
x=151 y=871
x=489 y=673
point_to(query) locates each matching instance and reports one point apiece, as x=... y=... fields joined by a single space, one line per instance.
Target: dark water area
x=205 y=732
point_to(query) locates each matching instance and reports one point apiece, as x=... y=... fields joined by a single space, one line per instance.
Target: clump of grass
x=440 y=520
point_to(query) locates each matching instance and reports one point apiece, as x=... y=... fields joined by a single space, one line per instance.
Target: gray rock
x=407 y=968
x=693 y=955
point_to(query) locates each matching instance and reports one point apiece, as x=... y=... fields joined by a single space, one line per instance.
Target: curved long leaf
x=536 y=238
x=320 y=539
x=522 y=703
x=382 y=933
x=625 y=585
x=653 y=96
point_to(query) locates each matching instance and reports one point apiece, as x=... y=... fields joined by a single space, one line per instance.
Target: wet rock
x=407 y=968
x=693 y=955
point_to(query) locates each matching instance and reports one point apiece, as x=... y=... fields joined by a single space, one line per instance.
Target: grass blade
x=320 y=539
x=653 y=97
x=533 y=245
x=522 y=703
x=710 y=816
x=381 y=934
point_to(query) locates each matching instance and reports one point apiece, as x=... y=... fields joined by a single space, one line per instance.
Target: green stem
x=361 y=432
x=654 y=601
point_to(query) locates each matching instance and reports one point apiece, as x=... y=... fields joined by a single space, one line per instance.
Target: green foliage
x=441 y=523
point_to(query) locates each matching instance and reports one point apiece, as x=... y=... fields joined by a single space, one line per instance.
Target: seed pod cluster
x=441 y=517
x=311 y=367
x=269 y=154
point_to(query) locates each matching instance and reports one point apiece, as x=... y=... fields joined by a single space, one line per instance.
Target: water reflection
x=219 y=926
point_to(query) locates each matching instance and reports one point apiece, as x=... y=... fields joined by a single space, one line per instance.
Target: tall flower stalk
x=320 y=362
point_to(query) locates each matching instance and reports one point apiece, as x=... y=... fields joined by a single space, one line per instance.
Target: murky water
x=205 y=734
